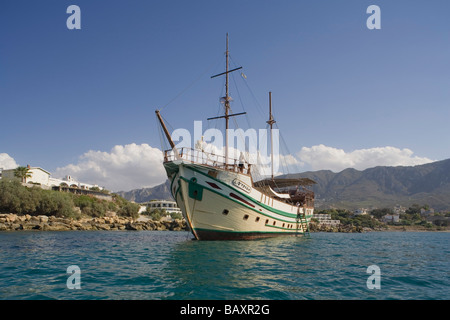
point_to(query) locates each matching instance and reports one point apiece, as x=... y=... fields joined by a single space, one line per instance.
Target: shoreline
x=385 y=228
x=14 y=222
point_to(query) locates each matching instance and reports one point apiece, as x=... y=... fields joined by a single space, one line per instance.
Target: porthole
x=225 y=212
x=257 y=219
x=246 y=217
x=267 y=221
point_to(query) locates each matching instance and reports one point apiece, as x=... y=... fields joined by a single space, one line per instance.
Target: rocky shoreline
x=313 y=227
x=13 y=222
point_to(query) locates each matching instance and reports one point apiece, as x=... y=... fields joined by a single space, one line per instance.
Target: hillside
x=383 y=186
x=160 y=192
x=352 y=189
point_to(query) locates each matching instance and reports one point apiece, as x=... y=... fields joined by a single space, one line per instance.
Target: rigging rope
x=190 y=85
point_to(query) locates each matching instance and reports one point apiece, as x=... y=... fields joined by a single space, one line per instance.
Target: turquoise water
x=170 y=265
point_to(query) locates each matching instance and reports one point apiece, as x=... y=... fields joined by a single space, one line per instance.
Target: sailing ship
x=219 y=198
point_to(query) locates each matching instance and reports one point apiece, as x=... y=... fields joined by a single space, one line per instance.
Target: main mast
x=271 y=121
x=227 y=106
x=227 y=99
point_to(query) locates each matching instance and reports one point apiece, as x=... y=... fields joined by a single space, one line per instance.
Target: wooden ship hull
x=225 y=204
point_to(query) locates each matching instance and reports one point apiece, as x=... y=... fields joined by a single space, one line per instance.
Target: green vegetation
x=411 y=217
x=126 y=208
x=157 y=214
x=18 y=199
x=347 y=218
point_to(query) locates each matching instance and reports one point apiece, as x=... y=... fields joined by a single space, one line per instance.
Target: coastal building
x=439 y=220
x=399 y=209
x=169 y=206
x=42 y=178
x=39 y=176
x=360 y=212
x=391 y=218
x=325 y=219
x=427 y=213
x=321 y=217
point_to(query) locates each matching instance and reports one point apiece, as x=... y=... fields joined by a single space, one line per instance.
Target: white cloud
x=329 y=158
x=123 y=168
x=7 y=162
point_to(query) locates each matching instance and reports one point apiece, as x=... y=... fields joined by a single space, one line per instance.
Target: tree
x=22 y=173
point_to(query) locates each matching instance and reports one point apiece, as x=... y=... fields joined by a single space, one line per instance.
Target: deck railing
x=198 y=156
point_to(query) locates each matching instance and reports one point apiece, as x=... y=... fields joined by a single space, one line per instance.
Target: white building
x=43 y=178
x=399 y=209
x=427 y=213
x=169 y=206
x=325 y=219
x=391 y=218
x=321 y=216
x=360 y=212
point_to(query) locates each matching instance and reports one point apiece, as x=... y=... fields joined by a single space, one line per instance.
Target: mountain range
x=377 y=187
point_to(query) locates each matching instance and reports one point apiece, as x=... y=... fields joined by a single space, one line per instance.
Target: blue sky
x=80 y=101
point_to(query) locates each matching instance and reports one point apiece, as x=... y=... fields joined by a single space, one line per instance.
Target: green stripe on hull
x=247 y=206
x=263 y=205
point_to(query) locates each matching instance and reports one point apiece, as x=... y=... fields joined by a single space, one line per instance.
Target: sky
x=82 y=102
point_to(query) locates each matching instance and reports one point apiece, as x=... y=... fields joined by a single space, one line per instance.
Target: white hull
x=221 y=204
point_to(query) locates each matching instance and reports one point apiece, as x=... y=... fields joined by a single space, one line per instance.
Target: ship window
x=225 y=211
x=246 y=217
x=274 y=223
x=257 y=219
x=283 y=225
x=267 y=221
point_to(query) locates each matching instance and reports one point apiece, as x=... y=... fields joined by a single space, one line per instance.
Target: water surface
x=153 y=265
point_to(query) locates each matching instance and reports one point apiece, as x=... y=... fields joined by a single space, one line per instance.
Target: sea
x=171 y=265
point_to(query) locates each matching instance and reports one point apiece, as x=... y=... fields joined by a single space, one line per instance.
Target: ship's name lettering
x=241 y=185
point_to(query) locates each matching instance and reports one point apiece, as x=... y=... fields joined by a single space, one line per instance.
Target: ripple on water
x=169 y=265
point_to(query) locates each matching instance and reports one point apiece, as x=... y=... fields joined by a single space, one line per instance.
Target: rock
x=34 y=220
x=130 y=226
x=43 y=219
x=59 y=226
x=16 y=226
x=113 y=222
x=99 y=220
x=102 y=226
x=29 y=226
x=21 y=218
x=36 y=227
x=11 y=217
